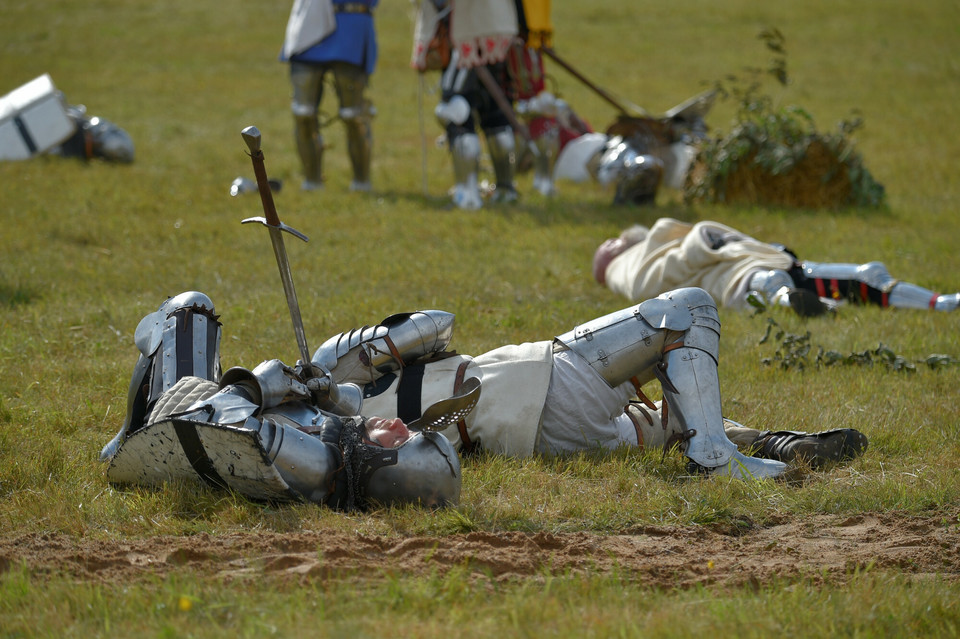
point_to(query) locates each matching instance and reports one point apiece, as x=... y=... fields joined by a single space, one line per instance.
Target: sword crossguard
x=282 y=226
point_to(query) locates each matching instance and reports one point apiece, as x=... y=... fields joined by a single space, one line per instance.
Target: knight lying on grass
x=281 y=432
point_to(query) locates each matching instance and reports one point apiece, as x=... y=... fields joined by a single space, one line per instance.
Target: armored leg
x=871 y=283
x=901 y=294
x=356 y=112
x=361 y=355
x=548 y=148
x=777 y=287
x=675 y=338
x=180 y=339
x=502 y=145
x=465 y=151
x=818 y=450
x=307 y=82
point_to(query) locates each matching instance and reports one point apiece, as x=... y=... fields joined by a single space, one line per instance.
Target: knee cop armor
x=773 y=284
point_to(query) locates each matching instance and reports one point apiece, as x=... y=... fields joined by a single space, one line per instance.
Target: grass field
x=623 y=545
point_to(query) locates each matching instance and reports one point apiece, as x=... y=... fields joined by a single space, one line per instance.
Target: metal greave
x=307 y=86
x=692 y=393
x=465 y=152
x=676 y=338
x=360 y=148
x=309 y=147
x=502 y=146
x=548 y=147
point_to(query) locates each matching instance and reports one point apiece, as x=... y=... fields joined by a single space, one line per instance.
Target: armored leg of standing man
x=502 y=145
x=356 y=112
x=307 y=82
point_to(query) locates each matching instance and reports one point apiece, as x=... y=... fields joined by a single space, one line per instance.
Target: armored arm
x=363 y=355
x=272 y=383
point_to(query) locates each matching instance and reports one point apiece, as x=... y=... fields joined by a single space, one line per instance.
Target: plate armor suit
x=259 y=432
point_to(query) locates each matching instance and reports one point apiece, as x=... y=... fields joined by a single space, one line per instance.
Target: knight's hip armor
x=676 y=338
x=362 y=355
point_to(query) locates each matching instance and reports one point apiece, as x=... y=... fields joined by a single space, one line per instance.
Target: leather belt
x=467 y=446
x=353 y=7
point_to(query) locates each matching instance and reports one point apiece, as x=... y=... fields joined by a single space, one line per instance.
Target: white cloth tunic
x=532 y=400
x=506 y=419
x=675 y=254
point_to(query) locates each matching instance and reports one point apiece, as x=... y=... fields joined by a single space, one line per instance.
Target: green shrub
x=774 y=155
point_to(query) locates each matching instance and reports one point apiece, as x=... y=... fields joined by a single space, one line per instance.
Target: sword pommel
x=251 y=135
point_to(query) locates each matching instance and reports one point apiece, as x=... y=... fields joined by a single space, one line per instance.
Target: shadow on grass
x=550 y=212
x=17 y=295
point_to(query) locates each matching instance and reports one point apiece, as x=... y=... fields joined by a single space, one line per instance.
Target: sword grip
x=251 y=135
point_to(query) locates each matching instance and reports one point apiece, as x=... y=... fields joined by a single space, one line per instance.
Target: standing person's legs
x=356 y=112
x=307 y=83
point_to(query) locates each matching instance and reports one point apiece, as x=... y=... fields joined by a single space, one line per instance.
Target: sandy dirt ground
x=820 y=548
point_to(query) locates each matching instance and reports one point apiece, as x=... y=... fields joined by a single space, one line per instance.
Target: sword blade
x=286 y=277
x=271 y=220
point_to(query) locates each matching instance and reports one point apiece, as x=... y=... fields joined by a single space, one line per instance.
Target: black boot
x=816 y=449
x=806 y=303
